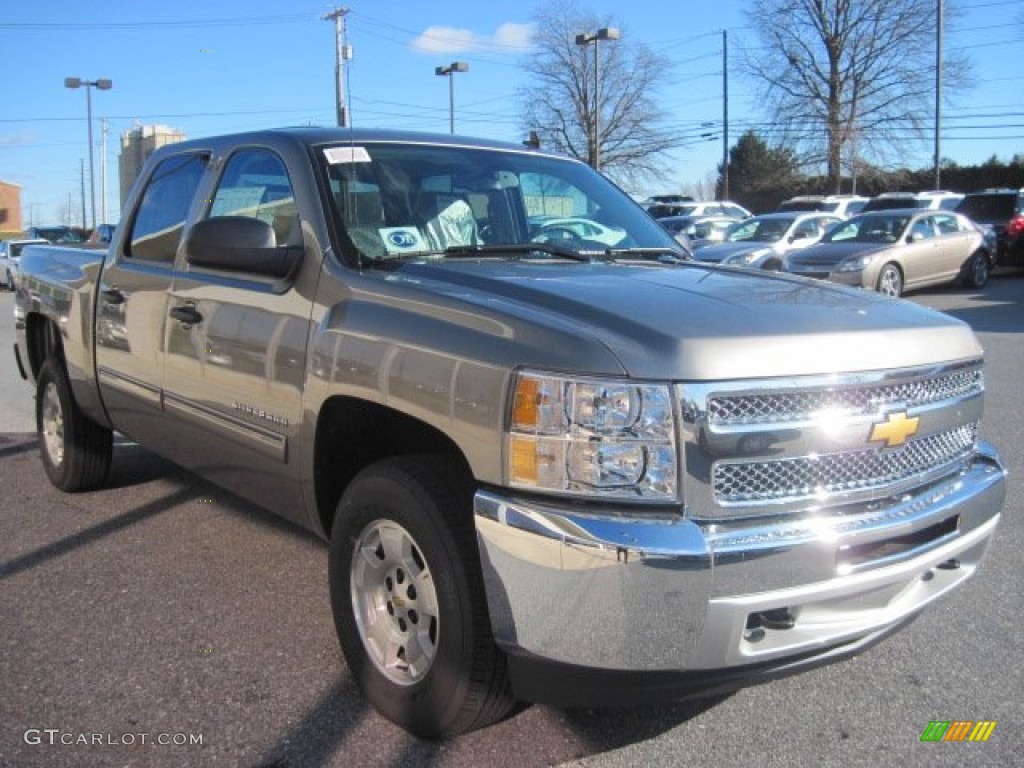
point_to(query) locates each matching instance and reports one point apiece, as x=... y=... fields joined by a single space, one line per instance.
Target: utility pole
x=103 y=171
x=938 y=94
x=342 y=52
x=725 y=114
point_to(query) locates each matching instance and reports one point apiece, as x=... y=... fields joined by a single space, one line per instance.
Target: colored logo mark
x=402 y=239
x=958 y=730
x=895 y=430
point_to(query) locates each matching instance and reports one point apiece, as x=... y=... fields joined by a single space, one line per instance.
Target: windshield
x=414 y=200
x=56 y=234
x=868 y=229
x=758 y=230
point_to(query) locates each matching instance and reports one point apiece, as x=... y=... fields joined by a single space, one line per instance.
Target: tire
x=76 y=451
x=976 y=271
x=890 y=281
x=408 y=601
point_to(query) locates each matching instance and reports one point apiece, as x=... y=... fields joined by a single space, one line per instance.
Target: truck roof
x=316 y=135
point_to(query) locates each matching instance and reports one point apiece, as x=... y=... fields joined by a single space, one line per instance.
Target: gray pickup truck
x=555 y=459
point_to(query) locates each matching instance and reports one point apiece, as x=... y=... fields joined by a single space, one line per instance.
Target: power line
x=181 y=23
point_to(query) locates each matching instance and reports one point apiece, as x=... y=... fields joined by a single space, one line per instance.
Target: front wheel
x=76 y=451
x=890 y=281
x=408 y=601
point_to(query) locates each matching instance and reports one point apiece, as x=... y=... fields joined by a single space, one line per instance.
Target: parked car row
x=891 y=243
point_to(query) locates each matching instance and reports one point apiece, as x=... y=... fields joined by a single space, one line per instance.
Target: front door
x=236 y=347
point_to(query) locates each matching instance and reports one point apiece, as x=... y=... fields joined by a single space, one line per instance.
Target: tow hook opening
x=761 y=621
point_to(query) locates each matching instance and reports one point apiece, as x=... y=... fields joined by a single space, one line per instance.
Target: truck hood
x=700 y=322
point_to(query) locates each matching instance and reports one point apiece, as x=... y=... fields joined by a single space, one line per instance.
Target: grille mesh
x=795 y=406
x=808 y=476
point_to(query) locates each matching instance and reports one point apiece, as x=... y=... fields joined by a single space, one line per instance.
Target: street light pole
x=605 y=33
x=455 y=66
x=103 y=85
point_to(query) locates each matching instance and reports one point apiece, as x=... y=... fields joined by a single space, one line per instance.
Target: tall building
x=10 y=207
x=137 y=144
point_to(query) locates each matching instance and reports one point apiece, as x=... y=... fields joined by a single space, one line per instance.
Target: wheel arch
x=42 y=341
x=351 y=434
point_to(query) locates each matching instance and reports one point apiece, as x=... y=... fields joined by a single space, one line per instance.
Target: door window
x=255 y=184
x=156 y=230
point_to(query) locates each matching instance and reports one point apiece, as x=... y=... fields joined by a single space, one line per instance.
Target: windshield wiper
x=664 y=254
x=553 y=249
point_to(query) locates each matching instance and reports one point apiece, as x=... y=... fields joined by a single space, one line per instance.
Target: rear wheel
x=408 y=601
x=890 y=280
x=76 y=451
x=976 y=271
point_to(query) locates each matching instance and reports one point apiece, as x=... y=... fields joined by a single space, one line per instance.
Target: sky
x=218 y=66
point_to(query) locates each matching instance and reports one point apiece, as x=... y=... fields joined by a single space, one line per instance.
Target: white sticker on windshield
x=402 y=239
x=339 y=155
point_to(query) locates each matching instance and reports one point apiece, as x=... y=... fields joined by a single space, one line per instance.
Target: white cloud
x=446 y=40
x=514 y=36
x=508 y=38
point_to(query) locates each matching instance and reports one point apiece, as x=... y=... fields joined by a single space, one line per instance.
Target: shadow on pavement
x=998 y=308
x=93 y=533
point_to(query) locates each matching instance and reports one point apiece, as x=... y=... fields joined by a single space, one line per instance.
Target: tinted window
x=255 y=185
x=156 y=231
x=988 y=207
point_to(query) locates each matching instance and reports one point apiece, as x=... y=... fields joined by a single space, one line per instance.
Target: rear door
x=920 y=254
x=954 y=246
x=237 y=349
x=131 y=309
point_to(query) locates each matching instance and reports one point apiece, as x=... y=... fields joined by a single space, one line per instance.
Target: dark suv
x=1003 y=211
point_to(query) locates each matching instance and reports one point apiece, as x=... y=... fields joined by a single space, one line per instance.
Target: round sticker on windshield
x=401 y=239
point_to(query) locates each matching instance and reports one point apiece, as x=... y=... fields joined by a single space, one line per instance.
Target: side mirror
x=916 y=237
x=240 y=244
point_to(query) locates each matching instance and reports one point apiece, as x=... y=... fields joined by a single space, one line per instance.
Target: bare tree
x=65 y=212
x=558 y=103
x=849 y=74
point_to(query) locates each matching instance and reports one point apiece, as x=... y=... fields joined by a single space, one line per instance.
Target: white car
x=577 y=228
x=762 y=242
x=10 y=254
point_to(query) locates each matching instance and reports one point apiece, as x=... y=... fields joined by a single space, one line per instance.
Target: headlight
x=748 y=258
x=856 y=264
x=592 y=437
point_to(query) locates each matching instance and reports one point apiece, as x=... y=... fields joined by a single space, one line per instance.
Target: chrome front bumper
x=611 y=592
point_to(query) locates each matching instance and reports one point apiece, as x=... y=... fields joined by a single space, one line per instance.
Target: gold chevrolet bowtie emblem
x=895 y=430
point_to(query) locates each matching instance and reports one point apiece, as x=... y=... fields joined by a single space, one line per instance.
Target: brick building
x=10 y=208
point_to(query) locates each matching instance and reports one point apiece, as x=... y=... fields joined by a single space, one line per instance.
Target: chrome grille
x=796 y=405
x=812 y=476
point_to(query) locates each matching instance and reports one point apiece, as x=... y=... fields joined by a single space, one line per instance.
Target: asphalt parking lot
x=165 y=623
